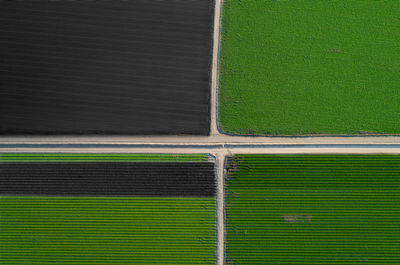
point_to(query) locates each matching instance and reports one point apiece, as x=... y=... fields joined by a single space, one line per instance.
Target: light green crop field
x=313 y=210
x=107 y=230
x=310 y=67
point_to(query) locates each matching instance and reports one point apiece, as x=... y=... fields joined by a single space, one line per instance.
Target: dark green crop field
x=107 y=230
x=313 y=209
x=310 y=67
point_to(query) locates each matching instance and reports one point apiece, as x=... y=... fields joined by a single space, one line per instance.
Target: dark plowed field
x=112 y=178
x=108 y=67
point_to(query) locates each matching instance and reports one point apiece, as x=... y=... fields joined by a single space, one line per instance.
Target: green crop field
x=313 y=209
x=107 y=230
x=77 y=209
x=310 y=67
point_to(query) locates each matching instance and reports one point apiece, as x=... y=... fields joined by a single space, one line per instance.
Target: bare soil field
x=105 y=67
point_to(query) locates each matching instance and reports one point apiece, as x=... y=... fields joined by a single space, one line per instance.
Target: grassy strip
x=310 y=67
x=313 y=209
x=107 y=230
x=103 y=157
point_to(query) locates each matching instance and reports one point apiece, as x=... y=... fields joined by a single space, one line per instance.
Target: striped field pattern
x=108 y=179
x=105 y=67
x=107 y=230
x=107 y=209
x=313 y=209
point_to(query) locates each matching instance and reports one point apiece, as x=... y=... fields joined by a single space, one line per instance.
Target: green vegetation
x=310 y=67
x=313 y=209
x=103 y=157
x=107 y=230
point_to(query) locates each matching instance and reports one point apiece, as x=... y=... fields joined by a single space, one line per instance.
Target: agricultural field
x=161 y=211
x=309 y=67
x=105 y=67
x=313 y=209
